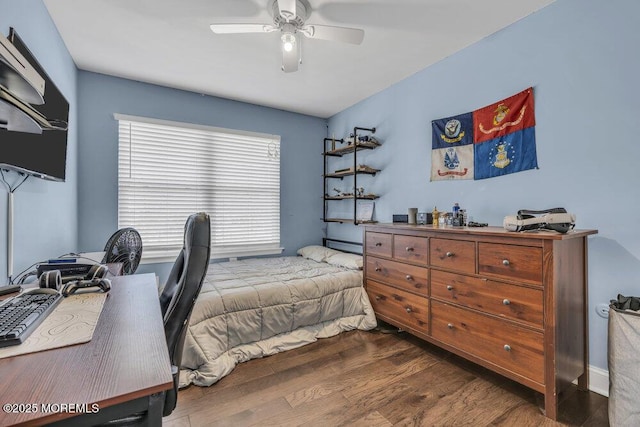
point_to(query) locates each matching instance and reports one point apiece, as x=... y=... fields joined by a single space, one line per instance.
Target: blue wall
x=582 y=59
x=45 y=212
x=101 y=96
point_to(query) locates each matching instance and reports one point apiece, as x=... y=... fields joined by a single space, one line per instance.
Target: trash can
x=624 y=362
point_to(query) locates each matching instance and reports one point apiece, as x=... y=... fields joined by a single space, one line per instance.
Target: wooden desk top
x=127 y=358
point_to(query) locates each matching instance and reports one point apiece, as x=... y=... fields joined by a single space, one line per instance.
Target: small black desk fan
x=125 y=247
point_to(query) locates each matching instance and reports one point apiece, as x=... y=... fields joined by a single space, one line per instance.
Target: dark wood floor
x=373 y=379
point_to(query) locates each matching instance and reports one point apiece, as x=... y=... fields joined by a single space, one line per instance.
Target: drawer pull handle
x=409 y=277
x=449 y=254
x=409 y=249
x=378 y=243
x=450 y=325
x=507 y=347
x=449 y=287
x=408 y=309
x=506 y=301
x=378 y=268
x=378 y=297
x=505 y=262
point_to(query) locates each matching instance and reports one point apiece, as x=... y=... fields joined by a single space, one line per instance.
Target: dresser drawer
x=458 y=255
x=510 y=262
x=409 y=277
x=405 y=308
x=513 y=348
x=514 y=302
x=378 y=244
x=411 y=248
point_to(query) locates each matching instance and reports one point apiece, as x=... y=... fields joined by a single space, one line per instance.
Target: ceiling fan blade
x=287 y=9
x=242 y=28
x=339 y=34
x=290 y=60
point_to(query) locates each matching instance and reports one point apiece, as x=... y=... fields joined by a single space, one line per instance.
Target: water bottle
x=456 y=210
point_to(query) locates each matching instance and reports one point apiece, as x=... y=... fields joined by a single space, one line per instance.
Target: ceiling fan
x=289 y=17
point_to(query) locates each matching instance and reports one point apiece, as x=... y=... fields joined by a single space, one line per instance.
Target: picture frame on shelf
x=365 y=210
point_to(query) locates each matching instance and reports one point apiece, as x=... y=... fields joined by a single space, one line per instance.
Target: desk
x=122 y=368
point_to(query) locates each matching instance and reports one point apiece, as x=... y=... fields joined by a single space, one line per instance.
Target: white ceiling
x=169 y=43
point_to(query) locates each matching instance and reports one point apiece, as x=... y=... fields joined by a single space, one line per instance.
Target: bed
x=257 y=307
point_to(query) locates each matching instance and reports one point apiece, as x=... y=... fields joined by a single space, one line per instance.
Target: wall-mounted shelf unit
x=354 y=145
x=363 y=197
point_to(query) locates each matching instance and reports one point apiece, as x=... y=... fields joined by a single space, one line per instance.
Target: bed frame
x=327 y=242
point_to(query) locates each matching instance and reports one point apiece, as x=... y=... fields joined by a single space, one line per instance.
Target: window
x=169 y=170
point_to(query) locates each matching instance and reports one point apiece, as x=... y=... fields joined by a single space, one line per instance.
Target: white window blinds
x=169 y=170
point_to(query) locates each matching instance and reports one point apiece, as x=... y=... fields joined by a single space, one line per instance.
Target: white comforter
x=257 y=307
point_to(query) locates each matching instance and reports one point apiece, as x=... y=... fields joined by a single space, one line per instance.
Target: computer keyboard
x=21 y=315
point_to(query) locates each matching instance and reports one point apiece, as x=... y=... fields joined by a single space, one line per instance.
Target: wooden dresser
x=515 y=303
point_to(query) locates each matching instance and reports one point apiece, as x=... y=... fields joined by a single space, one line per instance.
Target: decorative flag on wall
x=496 y=140
x=452 y=153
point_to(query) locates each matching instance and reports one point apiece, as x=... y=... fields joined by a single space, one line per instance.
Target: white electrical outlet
x=603 y=310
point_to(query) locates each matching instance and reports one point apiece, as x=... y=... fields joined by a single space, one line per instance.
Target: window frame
x=167 y=254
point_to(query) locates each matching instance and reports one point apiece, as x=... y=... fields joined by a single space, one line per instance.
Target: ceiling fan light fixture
x=291 y=49
x=289 y=41
x=289 y=18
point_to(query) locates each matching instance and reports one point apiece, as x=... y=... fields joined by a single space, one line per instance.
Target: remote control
x=9 y=289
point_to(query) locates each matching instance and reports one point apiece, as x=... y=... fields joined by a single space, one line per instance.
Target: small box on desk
x=401 y=218
x=67 y=269
x=425 y=218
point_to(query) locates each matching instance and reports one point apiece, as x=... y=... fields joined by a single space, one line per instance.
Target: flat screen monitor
x=43 y=155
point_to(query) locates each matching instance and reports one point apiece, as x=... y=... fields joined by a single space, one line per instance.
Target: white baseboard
x=599 y=381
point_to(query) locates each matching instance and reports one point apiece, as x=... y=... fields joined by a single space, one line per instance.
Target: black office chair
x=180 y=292
x=176 y=302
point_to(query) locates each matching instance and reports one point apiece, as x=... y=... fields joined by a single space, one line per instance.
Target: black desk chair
x=176 y=302
x=180 y=292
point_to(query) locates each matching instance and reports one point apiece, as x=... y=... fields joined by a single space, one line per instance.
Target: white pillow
x=342 y=259
x=317 y=253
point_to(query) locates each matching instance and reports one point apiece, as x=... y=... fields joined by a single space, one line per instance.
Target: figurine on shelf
x=360 y=192
x=369 y=139
x=340 y=193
